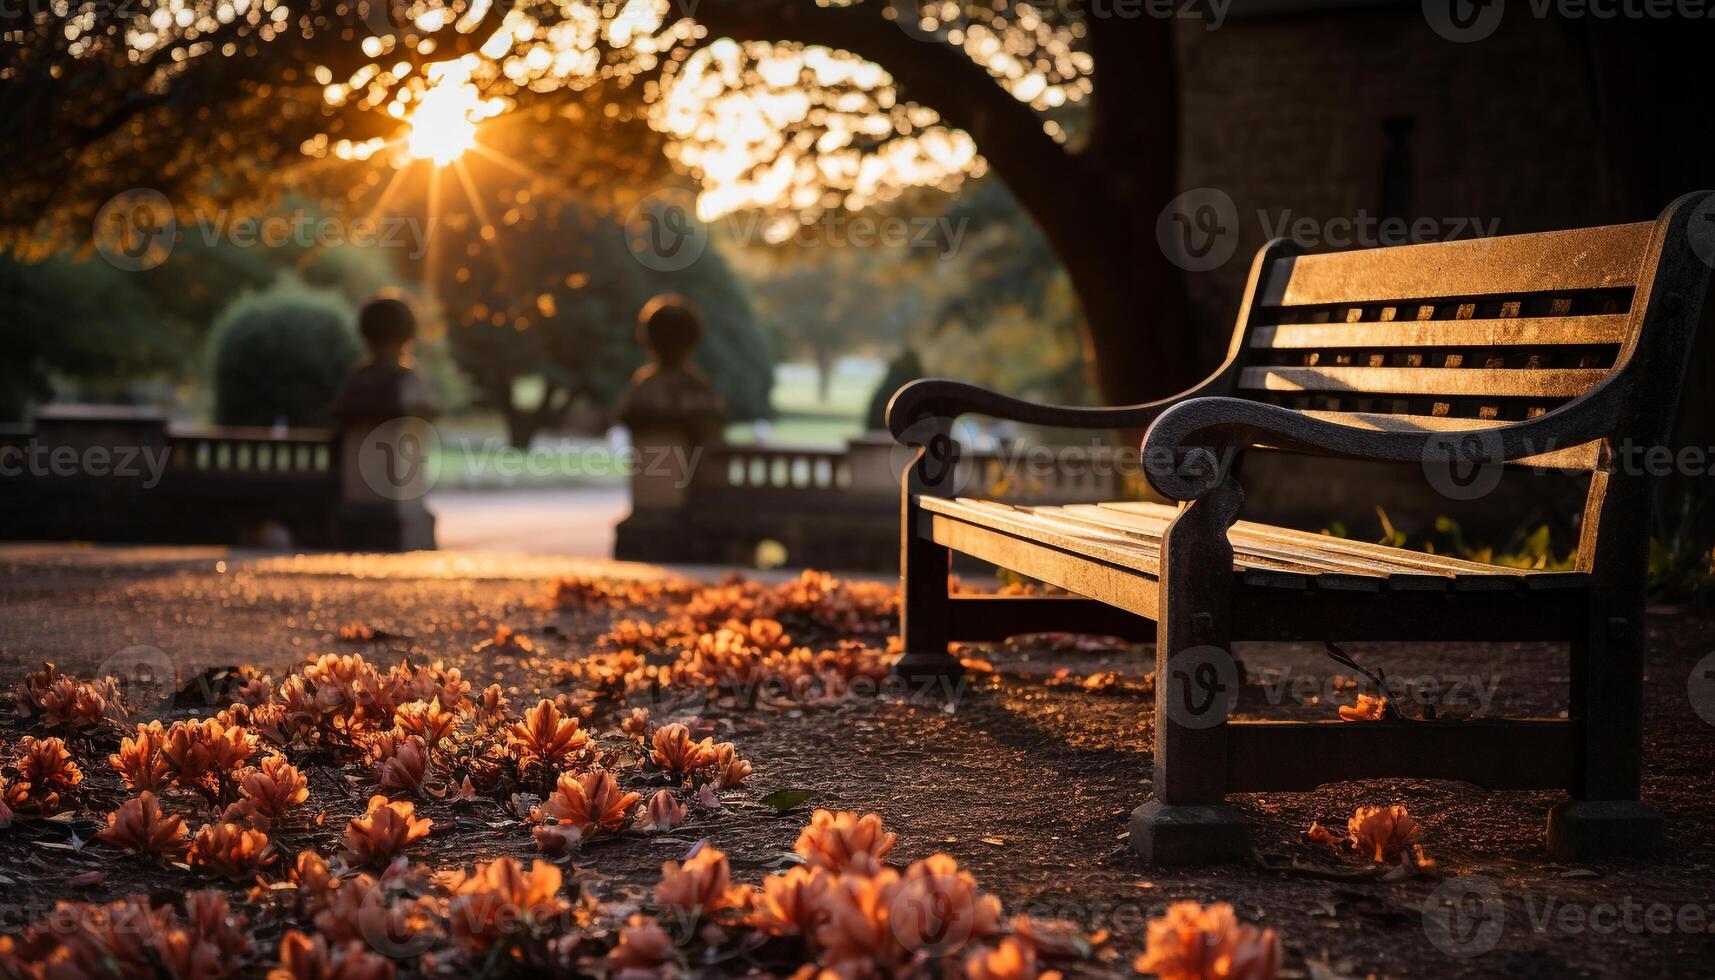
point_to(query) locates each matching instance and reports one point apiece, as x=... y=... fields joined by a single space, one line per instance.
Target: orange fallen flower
x=701 y=885
x=833 y=839
x=644 y=952
x=404 y=767
x=546 y=736
x=139 y=760
x=675 y=751
x=313 y=958
x=383 y=831
x=939 y=902
x=275 y=787
x=791 y=904
x=1380 y=833
x=1195 y=943
x=590 y=802
x=139 y=825
x=1318 y=834
x=1013 y=959
x=730 y=770
x=1367 y=709
x=664 y=812
x=500 y=899
x=229 y=850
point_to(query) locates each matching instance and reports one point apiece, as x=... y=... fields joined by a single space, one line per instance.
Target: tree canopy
x=789 y=105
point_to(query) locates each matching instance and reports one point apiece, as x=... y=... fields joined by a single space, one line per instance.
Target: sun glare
x=443 y=126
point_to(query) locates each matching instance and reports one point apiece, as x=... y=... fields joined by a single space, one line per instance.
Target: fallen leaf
x=785 y=799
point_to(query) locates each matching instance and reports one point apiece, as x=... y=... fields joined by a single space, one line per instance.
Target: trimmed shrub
x=282 y=353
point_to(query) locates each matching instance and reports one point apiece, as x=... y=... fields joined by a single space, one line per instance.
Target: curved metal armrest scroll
x=939 y=398
x=1191 y=445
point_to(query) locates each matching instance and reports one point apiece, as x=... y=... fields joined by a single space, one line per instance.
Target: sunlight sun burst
x=443 y=126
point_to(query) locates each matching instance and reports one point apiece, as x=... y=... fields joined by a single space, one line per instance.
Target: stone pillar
x=674 y=417
x=385 y=413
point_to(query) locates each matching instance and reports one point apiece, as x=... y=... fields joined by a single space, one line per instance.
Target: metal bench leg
x=1605 y=815
x=1196 y=685
x=925 y=616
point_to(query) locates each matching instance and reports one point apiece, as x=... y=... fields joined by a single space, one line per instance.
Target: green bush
x=282 y=353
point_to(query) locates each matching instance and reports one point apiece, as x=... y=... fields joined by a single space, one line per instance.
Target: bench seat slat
x=1417 y=561
x=1608 y=328
x=1128 y=534
x=1457 y=382
x=1250 y=550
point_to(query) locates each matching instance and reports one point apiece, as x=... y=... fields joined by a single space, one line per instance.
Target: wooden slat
x=1128 y=534
x=1249 y=552
x=1496 y=382
x=1608 y=328
x=1272 y=756
x=1548 y=262
x=1583 y=457
x=1026 y=521
x=1108 y=547
x=1250 y=530
x=1116 y=585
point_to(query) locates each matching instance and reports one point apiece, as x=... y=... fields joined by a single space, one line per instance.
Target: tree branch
x=1009 y=134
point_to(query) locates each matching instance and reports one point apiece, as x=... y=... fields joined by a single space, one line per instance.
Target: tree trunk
x=1097 y=207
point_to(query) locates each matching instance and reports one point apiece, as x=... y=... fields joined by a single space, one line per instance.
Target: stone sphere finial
x=671 y=327
x=387 y=324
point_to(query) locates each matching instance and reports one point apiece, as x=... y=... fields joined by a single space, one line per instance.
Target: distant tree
x=553 y=296
x=282 y=354
x=902 y=370
x=86 y=322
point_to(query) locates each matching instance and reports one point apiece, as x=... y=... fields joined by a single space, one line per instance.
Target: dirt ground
x=1027 y=779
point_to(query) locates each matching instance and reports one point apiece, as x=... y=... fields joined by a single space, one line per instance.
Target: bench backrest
x=1476 y=333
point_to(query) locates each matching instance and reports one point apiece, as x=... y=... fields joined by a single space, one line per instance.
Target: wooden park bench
x=1553 y=350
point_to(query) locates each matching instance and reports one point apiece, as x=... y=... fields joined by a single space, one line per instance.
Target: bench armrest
x=939 y=398
x=1190 y=445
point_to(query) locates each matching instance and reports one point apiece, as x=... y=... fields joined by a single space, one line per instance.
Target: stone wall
x=1290 y=115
